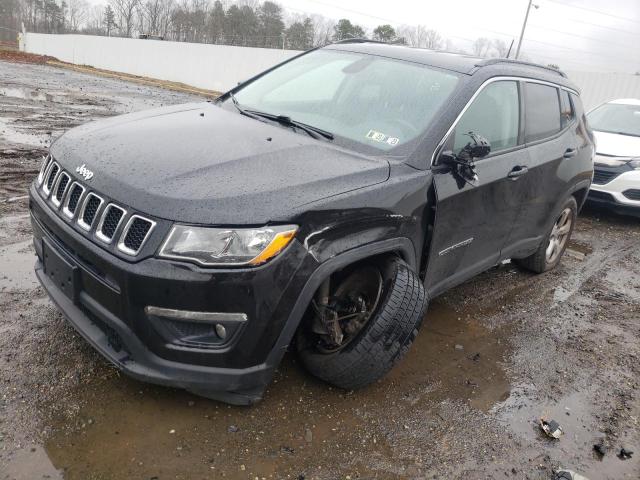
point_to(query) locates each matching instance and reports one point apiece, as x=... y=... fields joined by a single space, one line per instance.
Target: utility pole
x=524 y=26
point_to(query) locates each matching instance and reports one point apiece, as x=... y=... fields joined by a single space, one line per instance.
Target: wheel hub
x=348 y=309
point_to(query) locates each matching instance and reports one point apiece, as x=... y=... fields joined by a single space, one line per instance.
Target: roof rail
x=356 y=40
x=492 y=61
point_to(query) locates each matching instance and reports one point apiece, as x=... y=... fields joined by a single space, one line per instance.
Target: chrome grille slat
x=43 y=169
x=110 y=221
x=60 y=188
x=50 y=177
x=89 y=212
x=73 y=199
x=135 y=234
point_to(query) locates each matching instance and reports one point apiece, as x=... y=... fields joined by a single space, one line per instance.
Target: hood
x=617 y=145
x=200 y=163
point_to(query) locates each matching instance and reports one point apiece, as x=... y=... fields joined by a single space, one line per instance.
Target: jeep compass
x=317 y=206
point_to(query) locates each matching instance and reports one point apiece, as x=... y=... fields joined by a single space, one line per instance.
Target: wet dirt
x=493 y=356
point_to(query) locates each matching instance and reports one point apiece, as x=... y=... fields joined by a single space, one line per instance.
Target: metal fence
x=598 y=87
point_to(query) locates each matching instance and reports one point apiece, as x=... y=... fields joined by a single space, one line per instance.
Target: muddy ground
x=493 y=356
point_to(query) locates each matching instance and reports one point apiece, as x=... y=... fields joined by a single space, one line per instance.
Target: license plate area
x=59 y=270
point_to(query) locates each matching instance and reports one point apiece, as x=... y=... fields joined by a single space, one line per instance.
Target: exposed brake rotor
x=342 y=315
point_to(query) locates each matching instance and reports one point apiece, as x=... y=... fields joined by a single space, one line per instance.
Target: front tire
x=383 y=340
x=550 y=251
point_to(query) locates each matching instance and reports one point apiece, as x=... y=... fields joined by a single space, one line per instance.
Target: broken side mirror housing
x=478 y=147
x=462 y=164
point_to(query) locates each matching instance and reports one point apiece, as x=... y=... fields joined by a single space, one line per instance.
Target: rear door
x=552 y=145
x=473 y=221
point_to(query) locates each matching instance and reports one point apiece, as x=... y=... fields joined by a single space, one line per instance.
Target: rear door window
x=542 y=111
x=494 y=114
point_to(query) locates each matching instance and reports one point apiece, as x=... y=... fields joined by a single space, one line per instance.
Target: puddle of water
x=461 y=354
x=580 y=247
x=125 y=428
x=29 y=464
x=17 y=273
x=582 y=430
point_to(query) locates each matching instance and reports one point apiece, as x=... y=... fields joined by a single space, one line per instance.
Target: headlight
x=226 y=246
x=635 y=163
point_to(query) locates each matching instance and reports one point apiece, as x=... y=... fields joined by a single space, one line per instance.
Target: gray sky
x=585 y=35
x=571 y=33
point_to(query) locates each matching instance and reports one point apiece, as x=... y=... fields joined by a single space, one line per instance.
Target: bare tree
x=500 y=48
x=126 y=12
x=77 y=11
x=323 y=29
x=94 y=20
x=481 y=47
x=422 y=37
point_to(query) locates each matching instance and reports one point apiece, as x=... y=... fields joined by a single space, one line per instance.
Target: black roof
x=457 y=62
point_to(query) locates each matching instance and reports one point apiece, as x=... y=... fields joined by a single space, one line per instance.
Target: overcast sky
x=601 y=35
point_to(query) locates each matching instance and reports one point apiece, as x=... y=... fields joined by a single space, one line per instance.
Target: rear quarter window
x=542 y=111
x=567 y=113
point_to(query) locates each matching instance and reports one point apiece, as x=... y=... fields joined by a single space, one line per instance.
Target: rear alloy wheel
x=559 y=236
x=354 y=332
x=553 y=246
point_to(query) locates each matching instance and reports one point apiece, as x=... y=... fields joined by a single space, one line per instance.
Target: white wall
x=213 y=67
x=221 y=67
x=597 y=88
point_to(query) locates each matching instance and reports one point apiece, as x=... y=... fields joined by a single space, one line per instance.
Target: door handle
x=570 y=152
x=517 y=172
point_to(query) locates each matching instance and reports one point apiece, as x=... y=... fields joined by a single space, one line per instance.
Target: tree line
x=250 y=23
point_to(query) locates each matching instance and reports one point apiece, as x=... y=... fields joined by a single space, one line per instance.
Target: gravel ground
x=494 y=355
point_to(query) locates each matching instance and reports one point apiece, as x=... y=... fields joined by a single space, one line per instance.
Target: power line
x=593 y=10
x=508 y=35
x=602 y=26
x=578 y=36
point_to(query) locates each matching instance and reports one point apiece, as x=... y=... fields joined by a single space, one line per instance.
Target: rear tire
x=551 y=249
x=383 y=340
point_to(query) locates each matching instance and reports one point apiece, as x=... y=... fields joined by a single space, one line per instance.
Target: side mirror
x=462 y=164
x=478 y=147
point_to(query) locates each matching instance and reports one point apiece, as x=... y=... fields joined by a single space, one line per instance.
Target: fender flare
x=400 y=244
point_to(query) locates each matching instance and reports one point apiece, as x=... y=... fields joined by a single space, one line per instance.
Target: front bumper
x=618 y=194
x=108 y=295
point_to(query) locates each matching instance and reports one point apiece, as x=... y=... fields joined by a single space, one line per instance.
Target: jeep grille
x=84 y=208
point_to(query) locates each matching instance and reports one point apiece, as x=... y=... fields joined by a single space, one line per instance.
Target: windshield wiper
x=240 y=109
x=313 y=132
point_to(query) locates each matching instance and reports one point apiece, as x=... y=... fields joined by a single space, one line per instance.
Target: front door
x=473 y=222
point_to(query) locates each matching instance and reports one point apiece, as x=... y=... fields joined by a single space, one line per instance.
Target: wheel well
x=350 y=267
x=581 y=196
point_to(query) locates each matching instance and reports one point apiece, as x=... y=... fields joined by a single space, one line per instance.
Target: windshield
x=616 y=118
x=373 y=101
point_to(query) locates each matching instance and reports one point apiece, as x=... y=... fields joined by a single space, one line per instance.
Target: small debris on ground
x=551 y=428
x=459 y=347
x=233 y=429
x=569 y=475
x=624 y=454
x=600 y=448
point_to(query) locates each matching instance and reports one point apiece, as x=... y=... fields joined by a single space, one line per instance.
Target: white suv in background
x=616 y=179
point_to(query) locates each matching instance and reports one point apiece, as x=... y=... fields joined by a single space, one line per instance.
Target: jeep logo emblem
x=84 y=172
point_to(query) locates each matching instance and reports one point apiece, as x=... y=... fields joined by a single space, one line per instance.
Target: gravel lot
x=493 y=356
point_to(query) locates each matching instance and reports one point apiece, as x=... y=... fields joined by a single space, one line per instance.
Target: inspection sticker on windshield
x=382 y=138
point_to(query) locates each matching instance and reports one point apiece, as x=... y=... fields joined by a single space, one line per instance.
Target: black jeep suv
x=320 y=204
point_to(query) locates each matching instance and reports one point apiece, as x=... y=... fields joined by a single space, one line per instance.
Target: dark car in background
x=320 y=205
